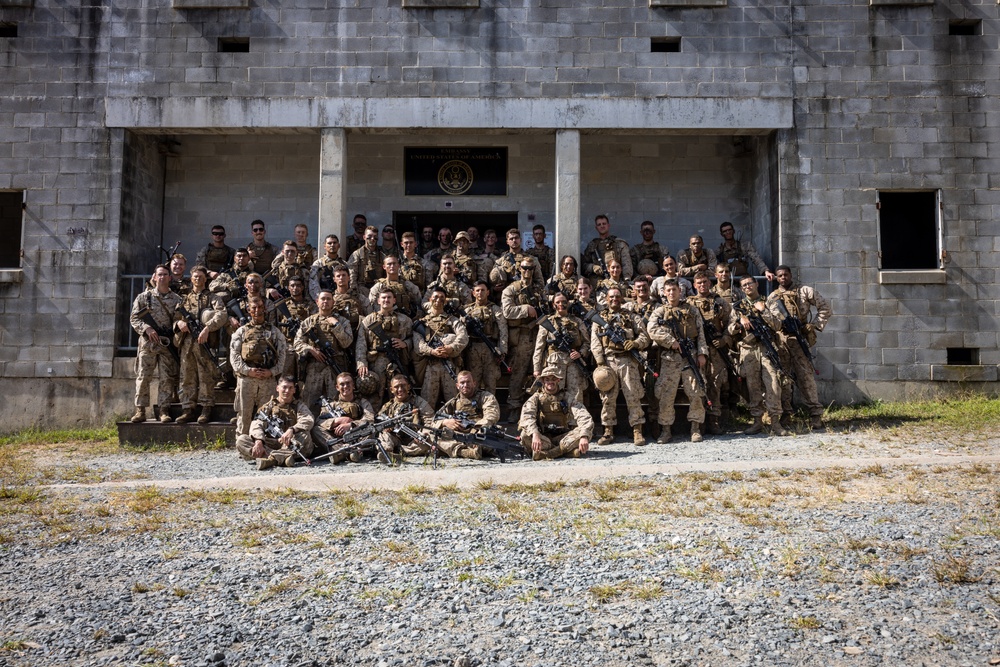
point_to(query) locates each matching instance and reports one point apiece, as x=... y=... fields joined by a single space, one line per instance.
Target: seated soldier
x=552 y=423
x=405 y=401
x=337 y=416
x=279 y=433
x=470 y=409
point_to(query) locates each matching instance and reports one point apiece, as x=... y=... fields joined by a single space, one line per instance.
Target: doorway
x=415 y=221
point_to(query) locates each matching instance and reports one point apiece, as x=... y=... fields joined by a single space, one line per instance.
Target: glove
x=809 y=328
x=629 y=345
x=598 y=271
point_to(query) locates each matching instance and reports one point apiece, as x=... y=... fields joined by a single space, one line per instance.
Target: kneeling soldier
x=285 y=437
x=553 y=423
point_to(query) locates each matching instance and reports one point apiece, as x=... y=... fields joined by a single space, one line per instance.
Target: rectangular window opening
x=8 y=29
x=11 y=216
x=965 y=27
x=665 y=45
x=909 y=230
x=963 y=356
x=234 y=45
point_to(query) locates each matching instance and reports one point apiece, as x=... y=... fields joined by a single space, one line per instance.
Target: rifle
x=687 y=351
x=362 y=438
x=602 y=261
x=712 y=333
x=414 y=434
x=475 y=327
x=491 y=437
x=289 y=324
x=617 y=336
x=791 y=325
x=168 y=254
x=195 y=327
x=561 y=341
x=761 y=331
x=435 y=342
x=166 y=336
x=325 y=349
x=272 y=428
x=386 y=348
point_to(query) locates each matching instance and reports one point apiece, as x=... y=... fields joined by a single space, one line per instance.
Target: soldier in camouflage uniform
x=670 y=273
x=179 y=284
x=798 y=301
x=477 y=356
x=410 y=266
x=624 y=369
x=286 y=266
x=572 y=364
x=695 y=258
x=545 y=255
x=469 y=404
x=198 y=370
x=389 y=244
x=724 y=285
x=649 y=249
x=466 y=269
x=348 y=300
x=239 y=308
x=674 y=369
x=294 y=421
x=407 y=294
x=257 y=355
x=716 y=313
x=585 y=296
x=348 y=412
x=216 y=256
x=365 y=263
x=374 y=368
x=357 y=240
x=326 y=330
x=291 y=313
x=738 y=255
x=521 y=304
x=763 y=377
x=458 y=293
x=614 y=280
x=438 y=351
x=306 y=253
x=553 y=423
x=262 y=252
x=433 y=256
x=227 y=284
x=321 y=271
x=643 y=306
x=487 y=256
x=508 y=266
x=155 y=306
x=566 y=280
x=605 y=247
x=404 y=401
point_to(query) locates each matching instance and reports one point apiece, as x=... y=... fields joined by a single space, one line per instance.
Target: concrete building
x=856 y=140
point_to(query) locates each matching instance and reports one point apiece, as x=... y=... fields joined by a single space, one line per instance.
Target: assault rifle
x=792 y=326
x=561 y=341
x=166 y=337
x=761 y=331
x=271 y=282
x=617 y=336
x=602 y=261
x=712 y=333
x=195 y=327
x=386 y=348
x=475 y=327
x=541 y=306
x=272 y=429
x=363 y=438
x=406 y=429
x=435 y=342
x=325 y=349
x=233 y=306
x=687 y=350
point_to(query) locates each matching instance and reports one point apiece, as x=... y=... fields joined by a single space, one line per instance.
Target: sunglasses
x=258 y=229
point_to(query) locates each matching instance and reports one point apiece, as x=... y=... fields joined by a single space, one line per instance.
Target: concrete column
x=567 y=194
x=333 y=186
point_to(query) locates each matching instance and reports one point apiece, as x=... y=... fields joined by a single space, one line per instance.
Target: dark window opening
x=8 y=30
x=908 y=230
x=11 y=215
x=665 y=45
x=965 y=27
x=234 y=45
x=963 y=356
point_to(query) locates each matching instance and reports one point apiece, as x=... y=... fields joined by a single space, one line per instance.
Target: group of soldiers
x=326 y=353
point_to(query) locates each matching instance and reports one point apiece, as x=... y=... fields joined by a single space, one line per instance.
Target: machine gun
x=561 y=341
x=386 y=348
x=792 y=326
x=325 y=349
x=168 y=254
x=272 y=429
x=617 y=336
x=493 y=438
x=405 y=429
x=166 y=338
x=761 y=331
x=195 y=327
x=475 y=327
x=363 y=438
x=687 y=350
x=435 y=342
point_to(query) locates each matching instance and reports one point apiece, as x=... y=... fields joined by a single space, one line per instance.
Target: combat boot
x=638 y=439
x=786 y=420
x=139 y=416
x=470 y=453
x=817 y=423
x=665 y=435
x=608 y=436
x=264 y=464
x=696 y=432
x=165 y=417
x=712 y=426
x=755 y=428
x=777 y=429
x=206 y=414
x=186 y=416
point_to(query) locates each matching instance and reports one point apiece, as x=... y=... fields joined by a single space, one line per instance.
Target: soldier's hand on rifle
x=718 y=343
x=534 y=313
x=274 y=294
x=808 y=327
x=342 y=428
x=399 y=343
x=584 y=445
x=536 y=442
x=702 y=360
x=183 y=326
x=629 y=345
x=317 y=355
x=153 y=337
x=442 y=352
x=575 y=354
x=233 y=322
x=745 y=323
x=452 y=424
x=203 y=337
x=675 y=346
x=258 y=451
x=286 y=438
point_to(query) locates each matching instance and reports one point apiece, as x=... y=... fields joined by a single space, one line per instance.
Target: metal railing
x=129 y=287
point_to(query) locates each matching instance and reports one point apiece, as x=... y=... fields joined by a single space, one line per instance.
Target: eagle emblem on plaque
x=455 y=177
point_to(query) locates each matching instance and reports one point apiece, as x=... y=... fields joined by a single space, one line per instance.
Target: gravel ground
x=858 y=564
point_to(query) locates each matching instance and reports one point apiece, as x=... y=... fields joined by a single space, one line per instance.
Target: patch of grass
x=402 y=552
x=961 y=417
x=15 y=645
x=606 y=592
x=485 y=484
x=349 y=507
x=805 y=623
x=289 y=583
x=881 y=579
x=704 y=572
x=107 y=434
x=954 y=569
x=515 y=510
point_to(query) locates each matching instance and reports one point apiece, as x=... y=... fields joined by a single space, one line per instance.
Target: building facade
x=856 y=140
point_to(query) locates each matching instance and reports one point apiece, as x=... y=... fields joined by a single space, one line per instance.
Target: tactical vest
x=553 y=413
x=607 y=249
x=737 y=260
x=287 y=415
x=196 y=303
x=324 y=328
x=525 y=295
x=438 y=325
x=688 y=258
x=572 y=330
x=403 y=302
x=181 y=287
x=346 y=409
x=484 y=314
x=217 y=259
x=394 y=408
x=710 y=308
x=622 y=319
x=370 y=267
x=687 y=324
x=259 y=350
x=652 y=252
x=465 y=269
x=644 y=311
x=324 y=272
x=412 y=270
x=285 y=273
x=348 y=307
x=393 y=329
x=451 y=287
x=790 y=297
x=471 y=408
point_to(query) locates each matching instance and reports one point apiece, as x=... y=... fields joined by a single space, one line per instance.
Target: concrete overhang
x=690 y=114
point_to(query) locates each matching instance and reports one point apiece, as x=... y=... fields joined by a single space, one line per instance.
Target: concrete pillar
x=567 y=194
x=333 y=186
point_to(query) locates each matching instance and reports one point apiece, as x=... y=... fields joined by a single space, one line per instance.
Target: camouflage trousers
x=763 y=383
x=555 y=446
x=805 y=379
x=148 y=361
x=437 y=381
x=284 y=456
x=198 y=376
x=575 y=381
x=453 y=448
x=378 y=369
x=672 y=376
x=319 y=381
x=251 y=394
x=716 y=376
x=484 y=368
x=403 y=444
x=628 y=378
x=521 y=347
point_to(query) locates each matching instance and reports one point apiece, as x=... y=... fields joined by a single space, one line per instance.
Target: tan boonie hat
x=462 y=235
x=551 y=371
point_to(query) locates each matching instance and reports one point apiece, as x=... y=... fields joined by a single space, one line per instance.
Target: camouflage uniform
x=717 y=311
x=284 y=272
x=229 y=283
x=401 y=443
x=656 y=288
x=407 y=295
x=321 y=275
x=546 y=353
x=674 y=369
x=305 y=258
x=560 y=421
x=160 y=358
x=432 y=259
x=370 y=354
x=366 y=266
x=262 y=257
x=482 y=408
x=546 y=257
x=764 y=381
x=516 y=299
x=198 y=370
x=739 y=257
x=477 y=357
x=359 y=410
x=610 y=283
x=799 y=301
x=413 y=271
x=215 y=259
x=628 y=376
x=653 y=252
x=354 y=243
x=609 y=248
x=436 y=379
x=319 y=377
x=466 y=269
x=687 y=260
x=295 y=416
x=651 y=354
x=507 y=268
x=180 y=286
x=565 y=285
x=458 y=292
x=255 y=346
x=289 y=317
x=485 y=262
x=732 y=294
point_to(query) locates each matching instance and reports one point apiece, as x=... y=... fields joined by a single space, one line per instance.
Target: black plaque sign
x=455 y=171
